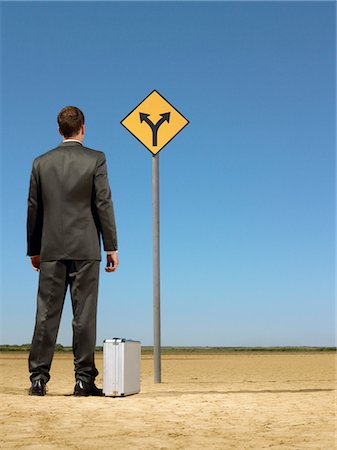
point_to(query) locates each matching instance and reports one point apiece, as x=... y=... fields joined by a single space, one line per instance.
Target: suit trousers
x=54 y=277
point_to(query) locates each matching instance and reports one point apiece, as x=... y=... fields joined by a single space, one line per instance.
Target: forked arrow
x=154 y=126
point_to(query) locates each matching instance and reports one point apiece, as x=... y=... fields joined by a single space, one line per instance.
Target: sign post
x=155 y=122
x=156 y=269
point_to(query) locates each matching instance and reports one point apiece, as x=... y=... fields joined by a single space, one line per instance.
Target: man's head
x=71 y=122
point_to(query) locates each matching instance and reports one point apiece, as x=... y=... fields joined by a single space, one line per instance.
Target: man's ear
x=60 y=131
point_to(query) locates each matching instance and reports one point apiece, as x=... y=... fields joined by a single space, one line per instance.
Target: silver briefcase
x=121 y=367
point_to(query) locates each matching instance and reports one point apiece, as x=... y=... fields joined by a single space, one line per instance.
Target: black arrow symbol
x=154 y=127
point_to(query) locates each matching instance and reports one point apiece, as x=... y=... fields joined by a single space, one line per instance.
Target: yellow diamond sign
x=154 y=122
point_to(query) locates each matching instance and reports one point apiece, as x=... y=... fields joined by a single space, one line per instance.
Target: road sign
x=154 y=122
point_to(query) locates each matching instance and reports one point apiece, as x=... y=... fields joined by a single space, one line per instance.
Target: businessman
x=69 y=209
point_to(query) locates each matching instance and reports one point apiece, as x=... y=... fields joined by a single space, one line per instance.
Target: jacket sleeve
x=34 y=215
x=104 y=205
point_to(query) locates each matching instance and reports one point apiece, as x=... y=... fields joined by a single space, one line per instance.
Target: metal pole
x=156 y=269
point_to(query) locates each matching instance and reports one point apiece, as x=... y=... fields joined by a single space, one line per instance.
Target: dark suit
x=69 y=208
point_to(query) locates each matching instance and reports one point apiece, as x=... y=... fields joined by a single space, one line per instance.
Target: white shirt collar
x=75 y=140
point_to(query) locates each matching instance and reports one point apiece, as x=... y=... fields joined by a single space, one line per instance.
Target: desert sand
x=252 y=400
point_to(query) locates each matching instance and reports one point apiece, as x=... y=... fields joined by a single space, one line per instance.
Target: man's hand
x=112 y=261
x=35 y=262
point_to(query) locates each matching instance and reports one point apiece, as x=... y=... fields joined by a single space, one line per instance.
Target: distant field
x=169 y=350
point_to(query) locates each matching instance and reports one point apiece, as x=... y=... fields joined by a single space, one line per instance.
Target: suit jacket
x=70 y=205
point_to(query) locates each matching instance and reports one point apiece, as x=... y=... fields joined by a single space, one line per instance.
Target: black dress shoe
x=82 y=388
x=38 y=387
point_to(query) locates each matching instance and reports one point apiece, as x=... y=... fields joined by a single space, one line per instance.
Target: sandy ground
x=223 y=401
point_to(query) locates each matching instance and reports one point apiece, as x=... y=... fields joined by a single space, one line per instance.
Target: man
x=69 y=208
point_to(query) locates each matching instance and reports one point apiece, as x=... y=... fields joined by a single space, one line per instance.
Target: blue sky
x=247 y=189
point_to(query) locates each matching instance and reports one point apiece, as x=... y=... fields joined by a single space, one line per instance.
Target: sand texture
x=220 y=401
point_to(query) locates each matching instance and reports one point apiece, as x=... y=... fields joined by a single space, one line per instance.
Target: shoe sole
x=79 y=394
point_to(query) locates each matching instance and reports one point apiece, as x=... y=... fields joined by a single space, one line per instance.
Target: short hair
x=70 y=120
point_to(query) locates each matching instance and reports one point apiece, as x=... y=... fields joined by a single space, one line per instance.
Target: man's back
x=70 y=204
